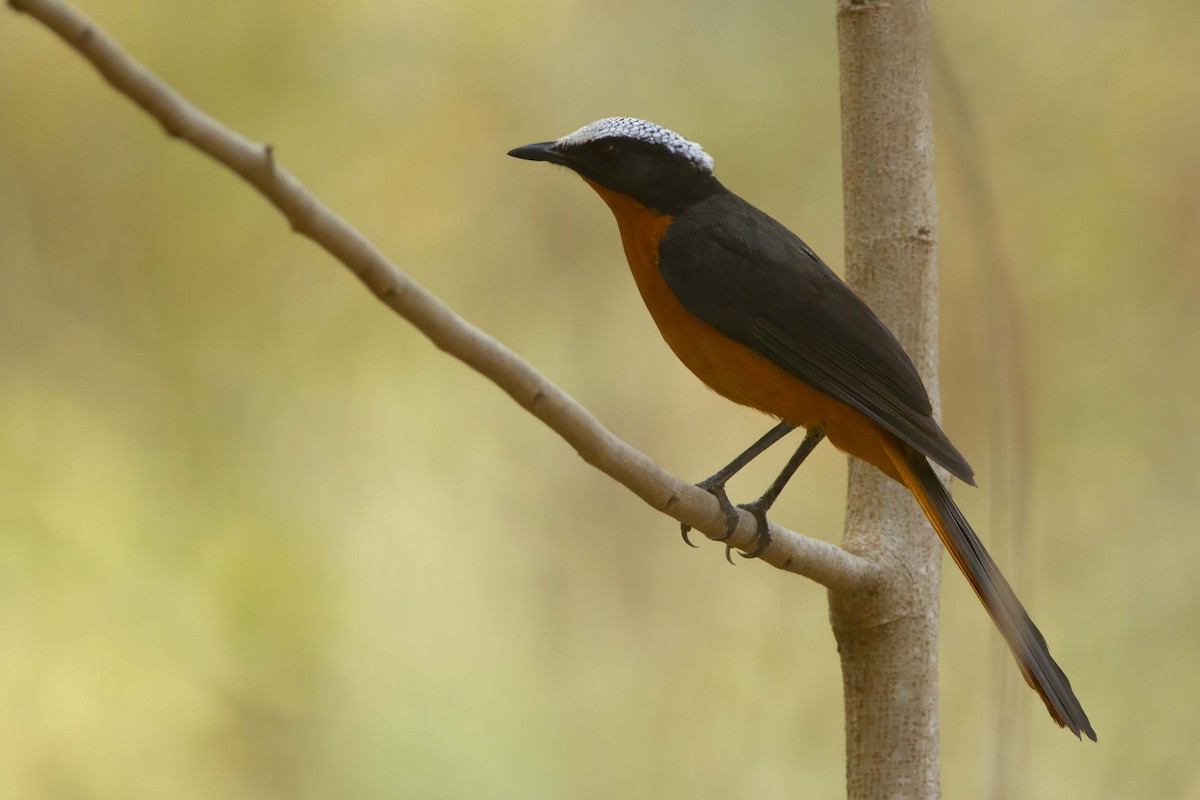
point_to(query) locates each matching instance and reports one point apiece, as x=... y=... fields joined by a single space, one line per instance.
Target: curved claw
x=717 y=490
x=729 y=555
x=762 y=538
x=684 y=528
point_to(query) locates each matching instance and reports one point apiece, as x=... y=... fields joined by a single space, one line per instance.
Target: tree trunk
x=887 y=637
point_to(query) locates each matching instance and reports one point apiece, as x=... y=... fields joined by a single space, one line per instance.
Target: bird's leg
x=760 y=506
x=715 y=483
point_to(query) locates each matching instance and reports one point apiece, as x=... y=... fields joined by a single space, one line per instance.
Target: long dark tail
x=1022 y=636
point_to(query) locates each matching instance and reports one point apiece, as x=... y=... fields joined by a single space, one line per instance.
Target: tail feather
x=1023 y=638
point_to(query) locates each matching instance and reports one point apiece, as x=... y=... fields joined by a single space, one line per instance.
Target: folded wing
x=752 y=279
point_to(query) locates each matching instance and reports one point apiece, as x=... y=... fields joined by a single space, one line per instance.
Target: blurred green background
x=259 y=539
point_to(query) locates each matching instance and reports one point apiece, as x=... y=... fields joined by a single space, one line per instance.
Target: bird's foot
x=716 y=488
x=762 y=536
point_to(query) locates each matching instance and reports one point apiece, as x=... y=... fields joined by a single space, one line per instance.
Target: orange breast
x=731 y=369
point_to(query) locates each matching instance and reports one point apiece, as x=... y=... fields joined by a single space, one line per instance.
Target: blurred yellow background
x=259 y=539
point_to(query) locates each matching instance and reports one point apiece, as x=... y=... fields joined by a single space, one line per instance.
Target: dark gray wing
x=755 y=281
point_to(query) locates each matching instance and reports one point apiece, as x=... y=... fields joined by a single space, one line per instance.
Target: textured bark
x=887 y=637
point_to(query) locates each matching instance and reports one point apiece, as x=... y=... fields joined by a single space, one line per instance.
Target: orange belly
x=731 y=369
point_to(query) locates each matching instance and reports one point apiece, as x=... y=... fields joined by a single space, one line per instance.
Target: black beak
x=542 y=151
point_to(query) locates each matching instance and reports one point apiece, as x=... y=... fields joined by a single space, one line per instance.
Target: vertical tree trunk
x=887 y=637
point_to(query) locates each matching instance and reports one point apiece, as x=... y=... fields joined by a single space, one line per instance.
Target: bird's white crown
x=640 y=129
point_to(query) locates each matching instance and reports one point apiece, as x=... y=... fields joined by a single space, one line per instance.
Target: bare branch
x=257 y=164
x=889 y=671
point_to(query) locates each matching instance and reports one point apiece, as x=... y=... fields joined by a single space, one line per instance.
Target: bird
x=756 y=315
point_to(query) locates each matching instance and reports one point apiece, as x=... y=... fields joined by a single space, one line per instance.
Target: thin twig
x=258 y=165
x=1009 y=413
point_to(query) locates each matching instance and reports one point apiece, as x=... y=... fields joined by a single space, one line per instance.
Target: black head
x=657 y=167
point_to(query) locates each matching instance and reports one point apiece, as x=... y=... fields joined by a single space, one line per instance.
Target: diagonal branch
x=821 y=561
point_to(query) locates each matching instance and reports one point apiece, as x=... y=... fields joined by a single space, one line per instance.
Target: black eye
x=607 y=148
